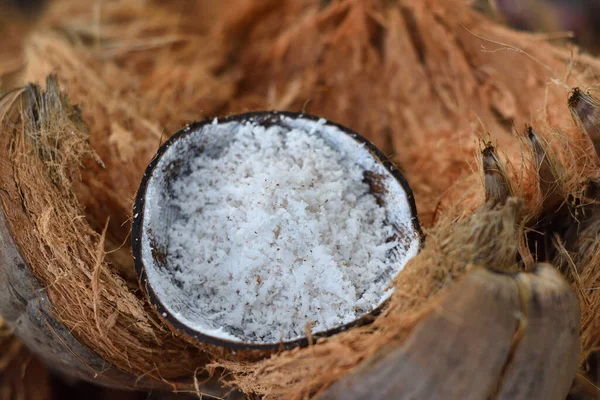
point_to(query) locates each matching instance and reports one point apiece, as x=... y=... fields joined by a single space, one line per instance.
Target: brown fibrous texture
x=426 y=81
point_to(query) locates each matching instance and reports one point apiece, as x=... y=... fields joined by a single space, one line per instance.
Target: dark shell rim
x=261 y=117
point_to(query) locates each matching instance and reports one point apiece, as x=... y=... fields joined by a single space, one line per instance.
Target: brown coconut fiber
x=426 y=81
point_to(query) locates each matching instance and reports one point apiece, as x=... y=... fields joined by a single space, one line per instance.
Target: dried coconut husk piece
x=524 y=361
x=586 y=113
x=496 y=182
x=127 y=120
x=578 y=256
x=549 y=171
x=58 y=293
x=549 y=191
x=498 y=188
x=538 y=368
x=564 y=231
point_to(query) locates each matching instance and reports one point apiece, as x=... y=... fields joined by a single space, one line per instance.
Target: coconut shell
x=247 y=351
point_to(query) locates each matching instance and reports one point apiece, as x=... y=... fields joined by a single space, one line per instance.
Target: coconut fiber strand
x=426 y=81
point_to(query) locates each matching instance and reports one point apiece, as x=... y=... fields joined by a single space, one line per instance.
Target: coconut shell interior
x=387 y=185
x=425 y=81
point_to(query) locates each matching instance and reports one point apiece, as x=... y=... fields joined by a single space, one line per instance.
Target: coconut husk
x=425 y=81
x=474 y=312
x=45 y=133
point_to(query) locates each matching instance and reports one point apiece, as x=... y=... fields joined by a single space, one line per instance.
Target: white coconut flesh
x=254 y=233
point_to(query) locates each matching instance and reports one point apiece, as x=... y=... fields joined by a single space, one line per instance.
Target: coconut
x=245 y=251
x=412 y=77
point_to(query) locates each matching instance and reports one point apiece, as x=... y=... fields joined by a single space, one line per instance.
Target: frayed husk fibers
x=429 y=82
